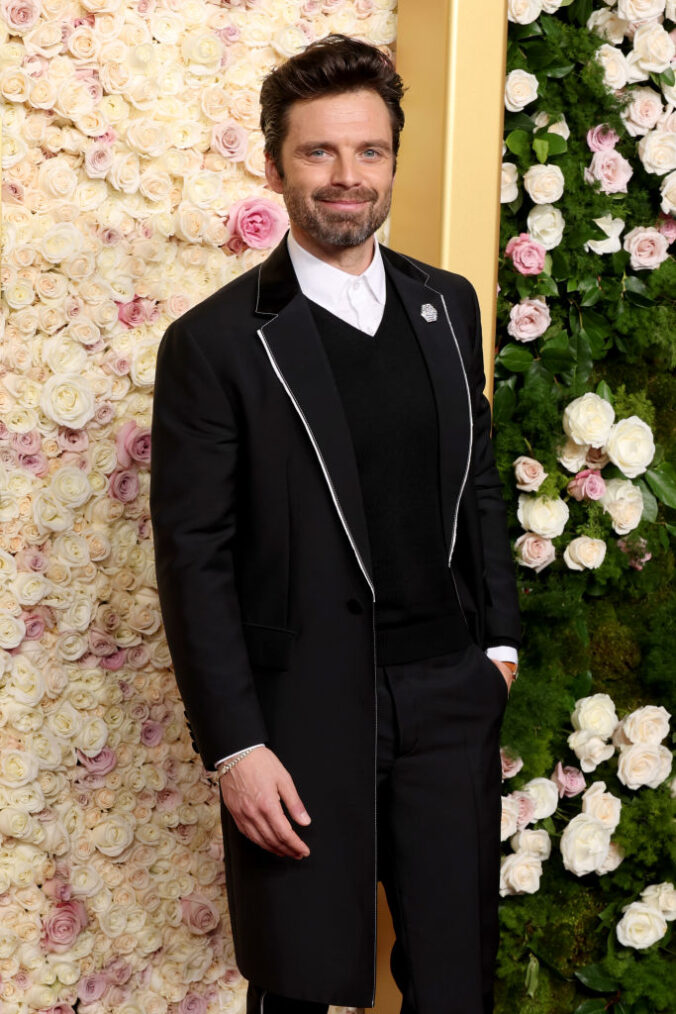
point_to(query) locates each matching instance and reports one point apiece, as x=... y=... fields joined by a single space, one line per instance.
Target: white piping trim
x=320 y=458
x=262 y=1011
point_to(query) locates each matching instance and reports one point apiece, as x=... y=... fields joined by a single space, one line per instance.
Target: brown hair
x=328 y=66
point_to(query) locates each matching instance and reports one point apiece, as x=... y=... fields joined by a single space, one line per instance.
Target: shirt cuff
x=503 y=653
x=235 y=754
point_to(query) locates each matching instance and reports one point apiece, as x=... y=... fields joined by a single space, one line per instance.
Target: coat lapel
x=297 y=355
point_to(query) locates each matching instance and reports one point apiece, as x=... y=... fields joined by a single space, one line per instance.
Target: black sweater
x=391 y=411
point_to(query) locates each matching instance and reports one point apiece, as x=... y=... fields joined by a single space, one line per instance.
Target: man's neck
x=353 y=259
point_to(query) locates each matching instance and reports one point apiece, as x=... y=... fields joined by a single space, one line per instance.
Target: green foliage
x=611 y=630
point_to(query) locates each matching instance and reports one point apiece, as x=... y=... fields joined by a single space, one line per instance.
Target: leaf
x=636 y=292
x=662 y=481
x=595 y=977
x=604 y=391
x=649 y=503
x=596 y=1006
x=560 y=266
x=514 y=358
x=557 y=354
x=504 y=401
x=541 y=149
x=583 y=361
x=518 y=142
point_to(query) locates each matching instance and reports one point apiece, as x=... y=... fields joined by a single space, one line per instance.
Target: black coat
x=266 y=588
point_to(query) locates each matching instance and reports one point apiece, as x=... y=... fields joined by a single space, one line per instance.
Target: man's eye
x=373 y=151
x=315 y=150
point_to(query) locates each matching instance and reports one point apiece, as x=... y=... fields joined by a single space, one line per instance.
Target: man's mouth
x=342 y=203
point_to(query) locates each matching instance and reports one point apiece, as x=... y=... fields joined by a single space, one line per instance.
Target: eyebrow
x=379 y=143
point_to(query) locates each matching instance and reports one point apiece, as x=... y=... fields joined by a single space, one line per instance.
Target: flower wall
x=584 y=429
x=132 y=188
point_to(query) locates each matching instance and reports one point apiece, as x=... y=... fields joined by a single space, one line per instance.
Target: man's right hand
x=252 y=790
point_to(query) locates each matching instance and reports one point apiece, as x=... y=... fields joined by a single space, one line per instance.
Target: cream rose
x=657 y=151
x=509 y=189
x=615 y=66
x=533 y=840
x=529 y=473
x=545 y=796
x=573 y=455
x=544 y=183
x=510 y=817
x=545 y=223
x=641 y=925
x=630 y=446
x=663 y=897
x=590 y=749
x=624 y=502
x=612 y=228
x=668 y=191
x=585 y=842
x=584 y=553
x=528 y=319
x=520 y=873
x=649 y=724
x=653 y=48
x=523 y=12
x=596 y=714
x=546 y=516
x=534 y=551
x=643 y=764
x=521 y=88
x=603 y=805
x=647 y=247
x=588 y=419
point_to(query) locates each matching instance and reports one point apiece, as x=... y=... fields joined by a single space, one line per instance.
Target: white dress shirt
x=358 y=300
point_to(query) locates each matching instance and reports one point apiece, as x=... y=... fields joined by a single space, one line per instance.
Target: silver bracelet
x=225 y=766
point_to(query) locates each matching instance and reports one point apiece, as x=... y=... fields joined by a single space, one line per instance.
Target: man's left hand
x=507 y=673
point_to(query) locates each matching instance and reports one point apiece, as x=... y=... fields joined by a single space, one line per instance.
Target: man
x=334 y=572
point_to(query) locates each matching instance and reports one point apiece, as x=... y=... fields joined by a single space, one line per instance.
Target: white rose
x=584 y=552
x=544 y=183
x=643 y=764
x=657 y=151
x=615 y=66
x=668 y=191
x=533 y=840
x=643 y=112
x=590 y=749
x=613 y=859
x=663 y=897
x=12 y=630
x=649 y=724
x=584 y=844
x=588 y=419
x=639 y=10
x=534 y=551
x=68 y=400
x=544 y=794
x=624 y=502
x=545 y=516
x=603 y=805
x=641 y=925
x=573 y=455
x=523 y=12
x=61 y=240
x=509 y=189
x=521 y=88
x=520 y=873
x=630 y=446
x=545 y=223
x=17 y=767
x=596 y=714
x=654 y=48
x=612 y=228
x=113 y=835
x=510 y=816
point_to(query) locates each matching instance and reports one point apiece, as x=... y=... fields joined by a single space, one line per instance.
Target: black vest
x=391 y=411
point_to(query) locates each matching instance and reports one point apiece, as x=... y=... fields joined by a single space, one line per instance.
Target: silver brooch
x=428 y=312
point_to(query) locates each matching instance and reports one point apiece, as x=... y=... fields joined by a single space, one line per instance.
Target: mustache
x=358 y=195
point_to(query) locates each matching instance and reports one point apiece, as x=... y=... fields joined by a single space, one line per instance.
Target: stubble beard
x=335 y=228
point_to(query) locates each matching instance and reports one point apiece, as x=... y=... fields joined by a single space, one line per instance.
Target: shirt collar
x=324 y=283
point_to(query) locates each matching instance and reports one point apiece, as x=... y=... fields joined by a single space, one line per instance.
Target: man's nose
x=346 y=171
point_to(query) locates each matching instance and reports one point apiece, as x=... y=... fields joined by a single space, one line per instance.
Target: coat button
x=355 y=606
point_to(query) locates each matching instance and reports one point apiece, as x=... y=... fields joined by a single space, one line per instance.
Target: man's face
x=338 y=160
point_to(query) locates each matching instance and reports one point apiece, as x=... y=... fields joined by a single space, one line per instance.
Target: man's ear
x=272 y=176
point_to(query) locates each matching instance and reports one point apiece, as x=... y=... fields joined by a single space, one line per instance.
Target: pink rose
x=611 y=170
x=72 y=440
x=199 y=914
x=35 y=626
x=528 y=319
x=667 y=226
x=123 y=485
x=569 y=780
x=510 y=765
x=151 y=733
x=132 y=443
x=526 y=811
x=587 y=484
x=57 y=888
x=528 y=256
x=92 y=987
x=602 y=137
x=29 y=442
x=118 y=972
x=529 y=473
x=192 y=1004
x=20 y=15
x=636 y=552
x=534 y=551
x=258 y=222
x=62 y=925
x=647 y=247
x=102 y=762
x=230 y=140
x=132 y=313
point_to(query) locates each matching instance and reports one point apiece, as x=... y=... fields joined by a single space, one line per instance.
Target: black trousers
x=439 y=787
